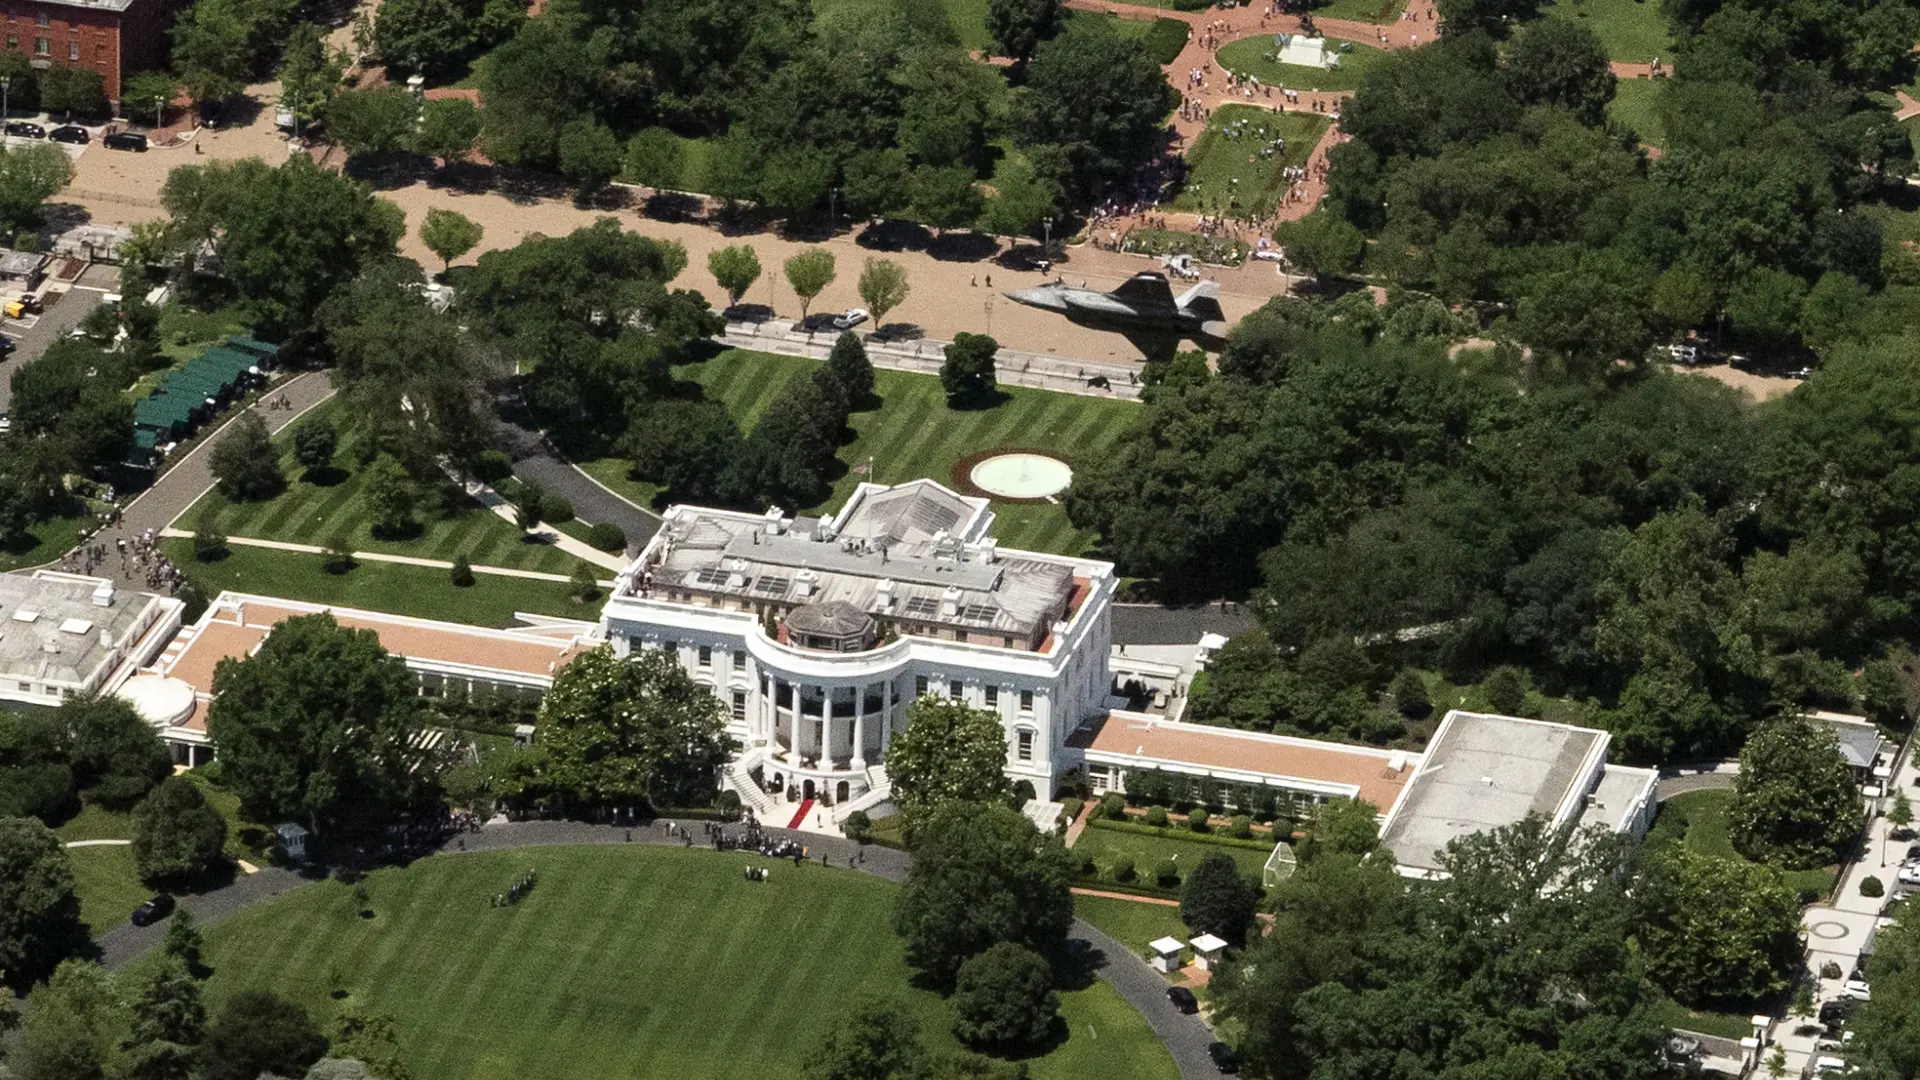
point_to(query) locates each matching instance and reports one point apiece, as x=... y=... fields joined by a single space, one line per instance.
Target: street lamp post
x=833 y=211
x=1046 y=248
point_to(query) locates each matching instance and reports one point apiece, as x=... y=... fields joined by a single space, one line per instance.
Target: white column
x=860 y=726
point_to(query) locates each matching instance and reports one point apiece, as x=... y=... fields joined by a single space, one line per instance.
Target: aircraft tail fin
x=1203 y=300
x=1147 y=293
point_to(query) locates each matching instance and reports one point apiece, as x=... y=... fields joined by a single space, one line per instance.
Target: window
x=739 y=659
x=27 y=686
x=992 y=696
x=954 y=689
x=672 y=649
x=1026 y=701
x=739 y=704
x=73 y=50
x=772 y=586
x=978 y=613
x=923 y=607
x=710 y=576
x=41 y=46
x=706 y=656
x=13 y=41
x=919 y=686
x=42 y=21
x=1024 y=745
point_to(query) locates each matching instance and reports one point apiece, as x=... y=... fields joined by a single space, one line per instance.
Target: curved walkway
x=1185 y=1037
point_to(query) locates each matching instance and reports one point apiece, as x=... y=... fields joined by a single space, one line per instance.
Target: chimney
x=103 y=594
x=883 y=594
x=950 y=602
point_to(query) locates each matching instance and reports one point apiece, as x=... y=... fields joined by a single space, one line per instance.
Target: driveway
x=1185 y=1037
x=535 y=462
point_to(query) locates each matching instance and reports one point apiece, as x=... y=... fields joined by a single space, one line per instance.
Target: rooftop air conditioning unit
x=950 y=602
x=883 y=594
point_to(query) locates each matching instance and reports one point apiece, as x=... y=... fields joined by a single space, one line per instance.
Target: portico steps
x=735 y=778
x=879 y=790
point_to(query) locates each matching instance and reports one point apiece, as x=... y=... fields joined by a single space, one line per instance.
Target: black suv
x=125 y=140
x=153 y=910
x=1183 y=999
x=20 y=129
x=70 y=133
x=1223 y=1058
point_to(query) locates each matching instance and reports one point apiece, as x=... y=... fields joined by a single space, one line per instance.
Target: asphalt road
x=534 y=462
x=33 y=341
x=1185 y=1037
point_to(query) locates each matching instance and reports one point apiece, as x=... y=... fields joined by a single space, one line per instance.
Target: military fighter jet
x=1143 y=308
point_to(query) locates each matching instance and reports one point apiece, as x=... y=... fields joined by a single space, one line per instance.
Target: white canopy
x=1167 y=946
x=1208 y=943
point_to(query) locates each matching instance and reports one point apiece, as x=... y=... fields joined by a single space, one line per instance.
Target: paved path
x=1909 y=108
x=1151 y=624
x=190 y=477
x=1159 y=901
x=1669 y=786
x=535 y=462
x=99 y=843
x=374 y=556
x=32 y=342
x=1185 y=1037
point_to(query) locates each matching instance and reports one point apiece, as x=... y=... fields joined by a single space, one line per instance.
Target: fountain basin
x=1021 y=475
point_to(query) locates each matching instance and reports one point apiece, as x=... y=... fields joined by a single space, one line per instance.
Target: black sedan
x=1223 y=1058
x=153 y=910
x=73 y=134
x=1183 y=999
x=22 y=130
x=125 y=140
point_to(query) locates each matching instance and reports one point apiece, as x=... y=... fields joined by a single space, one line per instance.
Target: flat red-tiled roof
x=1279 y=757
x=224 y=636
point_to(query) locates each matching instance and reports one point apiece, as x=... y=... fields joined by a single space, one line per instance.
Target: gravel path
x=1185 y=1037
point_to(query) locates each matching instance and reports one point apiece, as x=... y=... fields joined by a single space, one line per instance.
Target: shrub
x=1830 y=970
x=1165 y=40
x=729 y=801
x=1409 y=692
x=1123 y=869
x=555 y=510
x=462 y=572
x=1004 y=997
x=1167 y=873
x=858 y=826
x=1114 y=805
x=1157 y=816
x=607 y=537
x=492 y=466
x=1070 y=808
x=1088 y=867
x=1241 y=828
x=1871 y=886
x=1197 y=819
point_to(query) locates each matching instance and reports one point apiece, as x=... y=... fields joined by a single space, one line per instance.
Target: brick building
x=113 y=37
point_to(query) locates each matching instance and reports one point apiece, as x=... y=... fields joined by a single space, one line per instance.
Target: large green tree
x=1004 y=999
x=29 y=176
x=39 y=917
x=1795 y=801
x=176 y=834
x=632 y=730
x=1019 y=26
x=315 y=727
x=169 y=1023
x=116 y=756
x=245 y=463
x=1217 y=899
x=260 y=1032
x=948 y=753
x=981 y=875
x=1096 y=102
x=1717 y=932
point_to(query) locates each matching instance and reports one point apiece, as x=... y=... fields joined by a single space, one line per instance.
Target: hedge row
x=1180 y=834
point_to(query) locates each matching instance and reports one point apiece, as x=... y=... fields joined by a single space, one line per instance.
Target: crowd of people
x=140 y=559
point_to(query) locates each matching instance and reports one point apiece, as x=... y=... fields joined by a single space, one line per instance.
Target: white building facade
x=818 y=633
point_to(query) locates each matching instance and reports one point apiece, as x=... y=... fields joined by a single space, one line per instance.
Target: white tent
x=1280 y=865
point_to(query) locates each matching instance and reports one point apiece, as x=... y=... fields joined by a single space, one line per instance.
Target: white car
x=850 y=318
x=1909 y=874
x=1857 y=988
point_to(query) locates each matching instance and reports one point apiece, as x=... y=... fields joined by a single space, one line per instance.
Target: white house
x=63 y=635
x=818 y=633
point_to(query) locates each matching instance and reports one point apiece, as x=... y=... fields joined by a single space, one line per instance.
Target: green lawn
x=1636 y=103
x=1130 y=922
x=1108 y=846
x=1373 y=11
x=308 y=513
x=623 y=962
x=1726 y=1025
x=1236 y=146
x=107 y=884
x=420 y=591
x=45 y=542
x=966 y=18
x=913 y=434
x=1632 y=31
x=1255 y=56
x=1699 y=820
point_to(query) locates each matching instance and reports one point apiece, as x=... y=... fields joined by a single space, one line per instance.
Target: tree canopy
x=981 y=875
x=1795 y=801
x=39 y=917
x=634 y=730
x=949 y=752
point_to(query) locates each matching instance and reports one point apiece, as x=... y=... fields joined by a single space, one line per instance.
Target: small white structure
x=1280 y=865
x=1166 y=955
x=293 y=840
x=1208 y=951
x=1306 y=52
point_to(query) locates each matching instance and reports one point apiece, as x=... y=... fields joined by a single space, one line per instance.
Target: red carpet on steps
x=800 y=815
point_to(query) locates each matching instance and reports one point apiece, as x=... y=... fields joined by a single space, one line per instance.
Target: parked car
x=7 y=345
x=1223 y=1058
x=153 y=910
x=1824 y=1065
x=126 y=140
x=20 y=129
x=1857 y=989
x=1183 y=999
x=1836 y=1012
x=1901 y=834
x=850 y=318
x=1909 y=874
x=72 y=134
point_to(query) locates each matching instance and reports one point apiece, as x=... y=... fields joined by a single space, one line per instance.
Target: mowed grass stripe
x=311 y=514
x=623 y=962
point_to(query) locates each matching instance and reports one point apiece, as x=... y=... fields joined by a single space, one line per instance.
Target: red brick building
x=113 y=37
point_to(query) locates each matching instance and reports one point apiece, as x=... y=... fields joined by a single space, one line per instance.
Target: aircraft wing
x=1146 y=293
x=1157 y=345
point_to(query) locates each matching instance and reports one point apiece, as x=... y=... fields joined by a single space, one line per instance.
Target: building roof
x=94 y=5
x=61 y=627
x=915 y=554
x=1860 y=740
x=829 y=619
x=20 y=263
x=1378 y=776
x=1485 y=772
x=235 y=625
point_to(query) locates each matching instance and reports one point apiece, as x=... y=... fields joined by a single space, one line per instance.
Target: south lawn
x=1631 y=31
x=1255 y=56
x=310 y=512
x=914 y=434
x=623 y=962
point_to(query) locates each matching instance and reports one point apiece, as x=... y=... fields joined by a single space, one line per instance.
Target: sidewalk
x=379 y=556
x=924 y=356
x=503 y=509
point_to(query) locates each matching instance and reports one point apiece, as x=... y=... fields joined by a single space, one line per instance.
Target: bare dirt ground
x=1756 y=386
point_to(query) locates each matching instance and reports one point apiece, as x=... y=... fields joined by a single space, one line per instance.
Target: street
x=36 y=334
